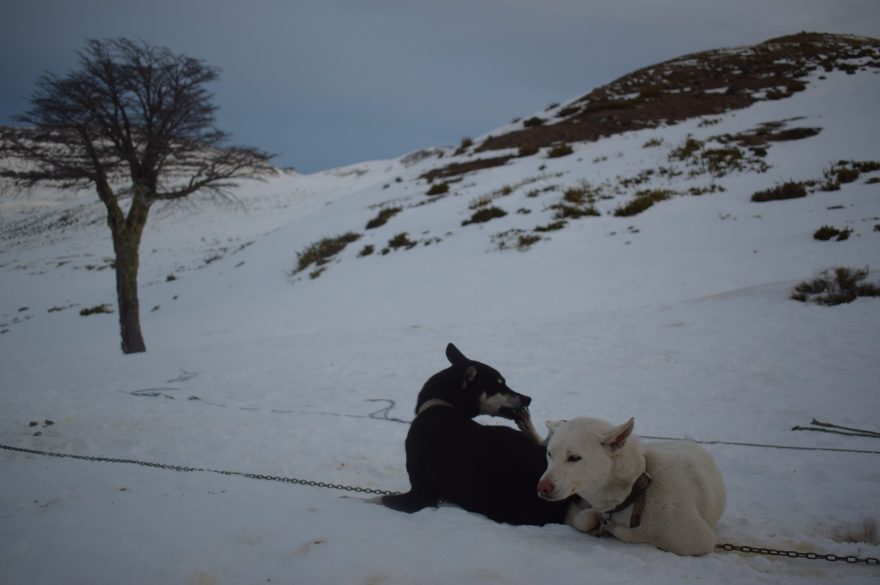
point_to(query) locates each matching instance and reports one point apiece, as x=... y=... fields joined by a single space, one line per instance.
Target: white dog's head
x=591 y=458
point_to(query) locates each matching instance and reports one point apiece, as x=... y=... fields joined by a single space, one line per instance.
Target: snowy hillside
x=605 y=272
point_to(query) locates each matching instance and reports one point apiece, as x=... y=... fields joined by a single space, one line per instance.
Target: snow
x=678 y=316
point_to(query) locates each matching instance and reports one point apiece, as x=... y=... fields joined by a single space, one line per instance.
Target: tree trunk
x=127 y=260
x=126 y=243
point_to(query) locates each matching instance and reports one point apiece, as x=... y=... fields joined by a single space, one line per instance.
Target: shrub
x=577 y=202
x=515 y=238
x=401 y=240
x=826 y=232
x=551 y=227
x=527 y=150
x=792 y=86
x=830 y=184
x=867 y=166
x=559 y=150
x=484 y=200
x=96 y=310
x=847 y=172
x=466 y=143
x=576 y=195
x=795 y=85
x=481 y=201
x=686 y=150
x=383 y=217
x=846 y=175
x=643 y=177
x=366 y=251
x=565 y=211
x=721 y=160
x=525 y=241
x=787 y=190
x=836 y=287
x=485 y=214
x=438 y=189
x=711 y=188
x=790 y=134
x=321 y=252
x=537 y=192
x=533 y=121
x=642 y=201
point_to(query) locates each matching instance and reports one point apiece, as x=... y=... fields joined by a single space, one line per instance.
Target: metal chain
x=293 y=480
x=793 y=554
x=362 y=490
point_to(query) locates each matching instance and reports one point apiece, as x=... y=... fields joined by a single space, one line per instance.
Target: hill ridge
x=686 y=87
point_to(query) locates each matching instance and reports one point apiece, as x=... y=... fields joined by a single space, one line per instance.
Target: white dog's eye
x=573 y=458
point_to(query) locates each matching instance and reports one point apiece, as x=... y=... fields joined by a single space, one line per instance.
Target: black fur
x=492 y=470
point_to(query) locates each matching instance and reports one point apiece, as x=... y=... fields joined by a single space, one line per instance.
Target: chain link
x=850 y=559
x=278 y=478
x=793 y=554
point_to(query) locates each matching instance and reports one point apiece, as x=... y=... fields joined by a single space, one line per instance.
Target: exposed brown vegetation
x=456 y=169
x=701 y=84
x=836 y=287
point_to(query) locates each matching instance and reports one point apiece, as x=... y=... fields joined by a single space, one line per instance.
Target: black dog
x=491 y=470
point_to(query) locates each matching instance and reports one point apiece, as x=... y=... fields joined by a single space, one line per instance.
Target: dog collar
x=433 y=402
x=636 y=499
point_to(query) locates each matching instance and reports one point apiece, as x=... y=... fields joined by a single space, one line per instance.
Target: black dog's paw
x=409 y=502
x=523 y=420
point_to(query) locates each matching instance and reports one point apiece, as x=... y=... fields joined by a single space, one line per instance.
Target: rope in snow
x=383 y=414
x=380 y=414
x=765 y=445
x=826 y=427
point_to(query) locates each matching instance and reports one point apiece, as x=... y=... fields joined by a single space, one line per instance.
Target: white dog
x=669 y=494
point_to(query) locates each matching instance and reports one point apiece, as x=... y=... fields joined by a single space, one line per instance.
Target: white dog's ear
x=552 y=425
x=616 y=437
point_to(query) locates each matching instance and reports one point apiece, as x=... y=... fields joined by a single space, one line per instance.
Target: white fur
x=601 y=462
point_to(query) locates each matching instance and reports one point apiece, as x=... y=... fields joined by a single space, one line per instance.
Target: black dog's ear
x=454 y=356
x=469 y=374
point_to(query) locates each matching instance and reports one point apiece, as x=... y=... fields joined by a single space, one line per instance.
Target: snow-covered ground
x=679 y=316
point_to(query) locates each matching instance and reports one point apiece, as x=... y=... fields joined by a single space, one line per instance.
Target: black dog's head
x=475 y=388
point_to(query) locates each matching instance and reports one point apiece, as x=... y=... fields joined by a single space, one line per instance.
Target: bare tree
x=135 y=122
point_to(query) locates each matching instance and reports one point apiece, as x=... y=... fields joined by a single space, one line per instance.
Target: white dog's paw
x=584 y=520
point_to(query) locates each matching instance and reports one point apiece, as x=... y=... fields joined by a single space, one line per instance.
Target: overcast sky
x=324 y=83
